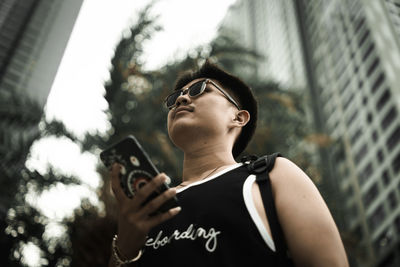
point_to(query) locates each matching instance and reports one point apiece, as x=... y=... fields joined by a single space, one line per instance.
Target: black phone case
x=136 y=169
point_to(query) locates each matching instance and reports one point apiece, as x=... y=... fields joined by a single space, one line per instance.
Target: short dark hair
x=241 y=93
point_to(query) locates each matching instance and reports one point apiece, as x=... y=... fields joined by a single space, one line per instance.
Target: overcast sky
x=76 y=96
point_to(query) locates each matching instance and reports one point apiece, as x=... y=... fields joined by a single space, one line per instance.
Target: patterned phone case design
x=136 y=167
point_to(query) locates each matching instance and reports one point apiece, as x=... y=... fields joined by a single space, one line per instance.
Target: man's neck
x=198 y=165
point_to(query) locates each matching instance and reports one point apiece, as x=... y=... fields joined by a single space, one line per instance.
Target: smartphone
x=136 y=169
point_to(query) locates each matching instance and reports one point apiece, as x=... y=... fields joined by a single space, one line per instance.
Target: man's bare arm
x=311 y=233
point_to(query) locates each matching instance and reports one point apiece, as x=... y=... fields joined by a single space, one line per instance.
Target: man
x=221 y=220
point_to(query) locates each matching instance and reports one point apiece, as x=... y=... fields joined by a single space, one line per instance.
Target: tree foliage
x=21 y=223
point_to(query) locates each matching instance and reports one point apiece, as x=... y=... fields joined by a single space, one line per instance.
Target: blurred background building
x=33 y=37
x=347 y=53
x=353 y=57
x=269 y=28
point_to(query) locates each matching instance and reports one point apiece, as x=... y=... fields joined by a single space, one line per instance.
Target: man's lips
x=182 y=109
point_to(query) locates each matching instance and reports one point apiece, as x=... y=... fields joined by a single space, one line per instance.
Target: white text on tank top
x=191 y=233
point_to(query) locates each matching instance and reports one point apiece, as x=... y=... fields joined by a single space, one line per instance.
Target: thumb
x=116 y=184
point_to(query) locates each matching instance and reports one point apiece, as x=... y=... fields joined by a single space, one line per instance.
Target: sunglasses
x=194 y=90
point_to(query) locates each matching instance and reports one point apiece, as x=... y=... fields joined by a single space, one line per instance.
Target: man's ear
x=242 y=118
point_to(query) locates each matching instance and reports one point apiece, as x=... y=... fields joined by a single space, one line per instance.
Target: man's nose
x=183 y=98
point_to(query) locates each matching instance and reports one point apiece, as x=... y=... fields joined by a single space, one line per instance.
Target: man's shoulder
x=286 y=171
x=284 y=165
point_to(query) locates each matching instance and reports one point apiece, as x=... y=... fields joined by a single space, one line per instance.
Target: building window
x=338 y=154
x=394 y=139
x=392 y=200
x=377 y=217
x=380 y=156
x=397 y=224
x=355 y=10
x=345 y=85
x=373 y=67
x=385 y=178
x=378 y=82
x=370 y=195
x=368 y=52
x=356 y=68
x=348 y=102
x=396 y=164
x=366 y=173
x=356 y=136
x=360 y=23
x=389 y=118
x=363 y=38
x=369 y=117
x=361 y=153
x=383 y=100
x=374 y=136
x=360 y=84
x=352 y=118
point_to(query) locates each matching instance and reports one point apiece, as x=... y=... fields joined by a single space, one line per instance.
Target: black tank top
x=217 y=226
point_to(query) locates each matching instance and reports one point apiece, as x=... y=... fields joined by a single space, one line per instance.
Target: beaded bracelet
x=117 y=254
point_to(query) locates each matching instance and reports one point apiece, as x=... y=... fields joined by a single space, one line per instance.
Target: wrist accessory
x=117 y=254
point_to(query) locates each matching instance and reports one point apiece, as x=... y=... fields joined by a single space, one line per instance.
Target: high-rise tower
x=33 y=37
x=352 y=51
x=269 y=28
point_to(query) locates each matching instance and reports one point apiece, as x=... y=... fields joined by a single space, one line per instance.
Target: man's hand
x=134 y=222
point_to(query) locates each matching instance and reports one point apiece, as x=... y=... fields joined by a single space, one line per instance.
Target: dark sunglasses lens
x=172 y=98
x=195 y=89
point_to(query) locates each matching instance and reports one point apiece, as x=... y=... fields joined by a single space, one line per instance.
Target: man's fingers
x=115 y=183
x=143 y=193
x=157 y=219
x=155 y=203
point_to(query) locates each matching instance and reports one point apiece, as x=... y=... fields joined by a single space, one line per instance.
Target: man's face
x=207 y=114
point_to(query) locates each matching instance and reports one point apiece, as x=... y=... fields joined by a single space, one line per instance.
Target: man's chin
x=181 y=133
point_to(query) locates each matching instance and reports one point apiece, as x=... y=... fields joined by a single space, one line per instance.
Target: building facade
x=33 y=37
x=255 y=25
x=352 y=50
